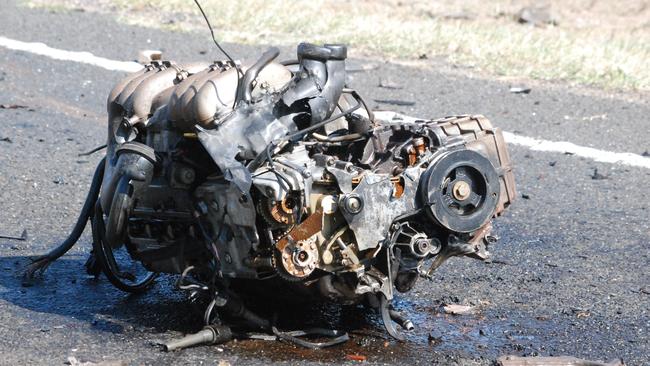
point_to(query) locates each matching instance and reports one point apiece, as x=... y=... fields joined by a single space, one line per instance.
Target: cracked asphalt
x=570 y=274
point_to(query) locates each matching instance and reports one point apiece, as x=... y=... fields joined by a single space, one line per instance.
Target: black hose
x=40 y=263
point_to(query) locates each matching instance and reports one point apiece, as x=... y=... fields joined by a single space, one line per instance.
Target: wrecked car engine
x=231 y=175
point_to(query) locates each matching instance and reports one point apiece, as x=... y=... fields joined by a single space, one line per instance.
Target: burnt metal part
x=283 y=179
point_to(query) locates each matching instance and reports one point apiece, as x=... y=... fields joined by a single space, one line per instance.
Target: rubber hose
x=40 y=263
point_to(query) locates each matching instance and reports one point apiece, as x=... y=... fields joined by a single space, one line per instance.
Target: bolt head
x=461 y=190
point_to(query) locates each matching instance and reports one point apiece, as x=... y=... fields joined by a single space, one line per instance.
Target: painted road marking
x=82 y=57
x=534 y=144
x=602 y=156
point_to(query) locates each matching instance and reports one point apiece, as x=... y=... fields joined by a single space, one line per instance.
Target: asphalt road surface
x=570 y=274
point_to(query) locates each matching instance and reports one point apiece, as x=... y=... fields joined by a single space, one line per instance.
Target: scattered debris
x=22 y=236
x=72 y=361
x=355 y=357
x=645 y=290
x=646 y=153
x=520 y=90
x=525 y=196
x=12 y=106
x=552 y=163
x=536 y=16
x=6 y=139
x=434 y=338
x=497 y=261
x=387 y=84
x=395 y=102
x=598 y=176
x=581 y=313
x=455 y=309
x=553 y=361
x=58 y=180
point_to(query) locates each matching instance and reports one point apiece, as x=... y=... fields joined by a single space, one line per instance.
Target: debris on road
x=12 y=106
x=455 y=309
x=395 y=102
x=22 y=236
x=525 y=196
x=520 y=90
x=387 y=84
x=356 y=357
x=434 y=339
x=580 y=313
x=552 y=163
x=553 y=361
x=598 y=176
x=646 y=154
x=73 y=361
x=6 y=139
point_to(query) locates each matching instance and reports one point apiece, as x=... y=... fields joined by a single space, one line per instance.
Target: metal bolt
x=461 y=190
x=353 y=204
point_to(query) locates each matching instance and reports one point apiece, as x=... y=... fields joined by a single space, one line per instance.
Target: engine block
x=232 y=175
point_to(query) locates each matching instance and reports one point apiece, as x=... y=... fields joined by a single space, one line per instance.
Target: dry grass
x=605 y=44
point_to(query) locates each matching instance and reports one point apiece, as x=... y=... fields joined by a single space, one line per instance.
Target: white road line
x=82 y=57
x=529 y=142
x=602 y=156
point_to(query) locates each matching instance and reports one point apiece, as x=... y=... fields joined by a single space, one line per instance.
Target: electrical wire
x=240 y=74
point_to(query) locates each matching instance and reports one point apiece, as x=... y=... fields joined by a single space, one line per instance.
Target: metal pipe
x=211 y=334
x=246 y=88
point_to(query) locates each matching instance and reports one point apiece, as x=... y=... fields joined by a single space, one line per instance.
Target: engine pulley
x=461 y=189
